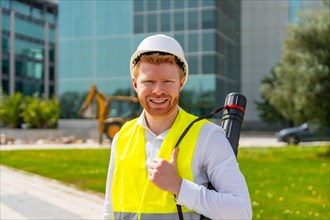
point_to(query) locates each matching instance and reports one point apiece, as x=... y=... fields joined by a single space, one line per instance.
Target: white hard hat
x=163 y=44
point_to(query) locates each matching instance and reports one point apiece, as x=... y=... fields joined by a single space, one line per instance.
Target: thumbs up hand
x=164 y=173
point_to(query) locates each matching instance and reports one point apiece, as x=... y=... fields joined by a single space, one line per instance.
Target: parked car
x=309 y=131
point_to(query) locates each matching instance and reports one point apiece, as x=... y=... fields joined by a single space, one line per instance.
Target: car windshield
x=304 y=126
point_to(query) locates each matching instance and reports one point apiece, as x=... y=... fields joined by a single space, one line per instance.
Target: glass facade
x=97 y=39
x=209 y=34
x=295 y=6
x=95 y=43
x=28 y=47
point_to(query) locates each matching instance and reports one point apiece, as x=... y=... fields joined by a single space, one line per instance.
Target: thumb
x=174 y=155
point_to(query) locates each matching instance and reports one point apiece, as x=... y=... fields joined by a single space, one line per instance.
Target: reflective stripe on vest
x=134 y=196
x=162 y=216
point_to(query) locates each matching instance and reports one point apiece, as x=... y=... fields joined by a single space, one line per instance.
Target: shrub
x=10 y=110
x=40 y=113
x=35 y=112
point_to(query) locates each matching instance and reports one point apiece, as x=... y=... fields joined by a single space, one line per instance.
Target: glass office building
x=97 y=39
x=28 y=46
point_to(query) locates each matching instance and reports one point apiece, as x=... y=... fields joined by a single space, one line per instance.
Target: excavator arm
x=102 y=103
x=106 y=125
x=88 y=101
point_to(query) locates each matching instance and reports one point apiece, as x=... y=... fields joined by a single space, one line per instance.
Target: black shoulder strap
x=179 y=208
x=194 y=121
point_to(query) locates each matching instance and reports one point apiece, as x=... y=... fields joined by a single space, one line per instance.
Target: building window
x=193 y=4
x=5 y=4
x=51 y=73
x=138 y=24
x=152 y=5
x=210 y=2
x=29 y=69
x=208 y=19
x=179 y=21
x=29 y=49
x=209 y=64
x=165 y=22
x=37 y=13
x=26 y=28
x=180 y=39
x=193 y=20
x=138 y=5
x=5 y=86
x=209 y=41
x=152 y=23
x=51 y=35
x=193 y=64
x=5 y=66
x=193 y=42
x=165 y=4
x=5 y=22
x=5 y=44
x=21 y=8
x=178 y=4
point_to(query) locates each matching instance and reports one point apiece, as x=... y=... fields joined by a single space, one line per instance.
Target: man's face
x=158 y=88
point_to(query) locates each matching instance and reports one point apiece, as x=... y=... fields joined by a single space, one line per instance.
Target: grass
x=86 y=169
x=284 y=183
x=287 y=183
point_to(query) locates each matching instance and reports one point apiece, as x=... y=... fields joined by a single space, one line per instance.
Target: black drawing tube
x=232 y=118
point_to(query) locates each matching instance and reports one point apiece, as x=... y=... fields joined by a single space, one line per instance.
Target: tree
x=300 y=90
x=70 y=103
x=268 y=112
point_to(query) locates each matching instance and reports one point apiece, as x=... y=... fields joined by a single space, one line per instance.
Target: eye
x=147 y=81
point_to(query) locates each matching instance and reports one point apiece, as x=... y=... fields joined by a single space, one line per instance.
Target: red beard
x=159 y=109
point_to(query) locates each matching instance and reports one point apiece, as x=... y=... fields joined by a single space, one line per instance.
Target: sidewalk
x=29 y=196
x=54 y=146
x=246 y=140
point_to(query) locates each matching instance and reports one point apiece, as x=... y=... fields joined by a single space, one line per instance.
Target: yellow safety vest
x=134 y=196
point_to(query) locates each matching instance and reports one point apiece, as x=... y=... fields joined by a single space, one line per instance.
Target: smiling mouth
x=158 y=101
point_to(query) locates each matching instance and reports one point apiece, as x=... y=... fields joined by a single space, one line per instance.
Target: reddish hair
x=156 y=59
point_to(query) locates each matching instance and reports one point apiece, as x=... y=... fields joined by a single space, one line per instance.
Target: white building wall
x=263 y=34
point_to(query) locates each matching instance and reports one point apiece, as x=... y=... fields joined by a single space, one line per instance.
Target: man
x=151 y=178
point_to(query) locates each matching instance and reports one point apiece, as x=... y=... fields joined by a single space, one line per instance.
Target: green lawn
x=287 y=183
x=284 y=183
x=85 y=168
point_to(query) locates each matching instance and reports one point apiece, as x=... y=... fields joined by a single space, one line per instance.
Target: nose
x=158 y=88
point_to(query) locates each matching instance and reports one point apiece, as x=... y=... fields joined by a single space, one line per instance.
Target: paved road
x=29 y=196
x=246 y=140
x=268 y=139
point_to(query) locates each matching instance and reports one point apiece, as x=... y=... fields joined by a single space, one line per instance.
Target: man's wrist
x=178 y=187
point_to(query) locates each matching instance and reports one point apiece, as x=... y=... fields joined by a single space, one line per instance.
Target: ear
x=182 y=82
x=134 y=82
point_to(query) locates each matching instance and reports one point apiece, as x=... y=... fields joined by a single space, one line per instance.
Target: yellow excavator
x=112 y=111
